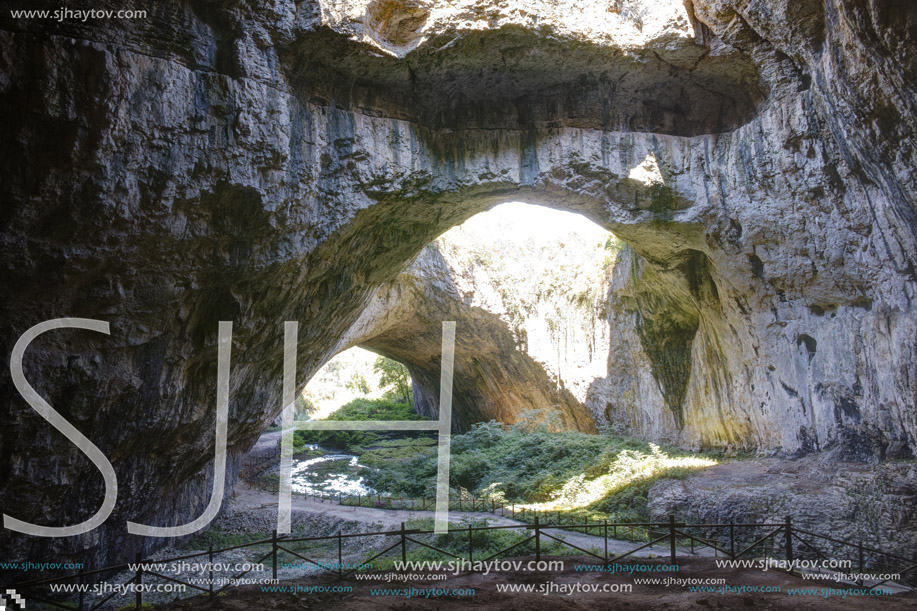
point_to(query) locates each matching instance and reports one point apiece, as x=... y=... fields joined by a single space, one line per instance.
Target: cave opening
x=527 y=285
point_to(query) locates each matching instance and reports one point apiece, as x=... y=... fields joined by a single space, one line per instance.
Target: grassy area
x=606 y=476
x=394 y=452
x=530 y=464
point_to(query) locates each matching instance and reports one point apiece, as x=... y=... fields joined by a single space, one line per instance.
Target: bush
x=468 y=469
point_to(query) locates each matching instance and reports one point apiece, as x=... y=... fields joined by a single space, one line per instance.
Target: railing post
x=789 y=542
x=210 y=561
x=139 y=581
x=80 y=581
x=860 y=562
x=537 y=540
x=732 y=538
x=606 y=540
x=340 y=553
x=404 y=544
x=672 y=538
x=914 y=571
x=470 y=546
x=274 y=554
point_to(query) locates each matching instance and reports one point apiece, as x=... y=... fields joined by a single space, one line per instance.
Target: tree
x=358 y=384
x=394 y=374
x=303 y=407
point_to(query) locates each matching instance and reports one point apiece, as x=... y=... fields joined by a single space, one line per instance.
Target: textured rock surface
x=221 y=161
x=506 y=359
x=847 y=501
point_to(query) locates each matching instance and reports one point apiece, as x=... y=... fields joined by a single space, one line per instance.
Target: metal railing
x=732 y=540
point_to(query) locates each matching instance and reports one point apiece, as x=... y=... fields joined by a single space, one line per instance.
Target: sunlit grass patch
x=630 y=469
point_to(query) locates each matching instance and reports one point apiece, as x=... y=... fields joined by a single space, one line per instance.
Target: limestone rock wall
x=495 y=376
x=234 y=161
x=809 y=343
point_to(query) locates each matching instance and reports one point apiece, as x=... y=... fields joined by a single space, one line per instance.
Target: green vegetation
x=345 y=377
x=532 y=464
x=607 y=476
x=394 y=451
x=375 y=409
x=394 y=375
x=358 y=384
x=358 y=409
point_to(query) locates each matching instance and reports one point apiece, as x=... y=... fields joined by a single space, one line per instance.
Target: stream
x=331 y=473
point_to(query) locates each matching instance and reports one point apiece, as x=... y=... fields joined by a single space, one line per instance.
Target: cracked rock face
x=221 y=161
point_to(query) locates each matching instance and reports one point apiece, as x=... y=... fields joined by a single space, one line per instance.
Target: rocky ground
x=854 y=502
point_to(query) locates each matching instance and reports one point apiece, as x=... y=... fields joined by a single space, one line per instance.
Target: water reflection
x=330 y=474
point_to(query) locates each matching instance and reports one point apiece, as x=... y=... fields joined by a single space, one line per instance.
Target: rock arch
x=264 y=166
